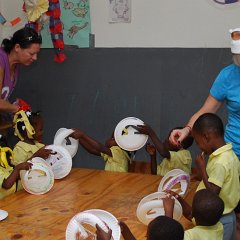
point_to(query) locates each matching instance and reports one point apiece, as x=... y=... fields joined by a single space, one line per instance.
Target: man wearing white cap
x=226 y=88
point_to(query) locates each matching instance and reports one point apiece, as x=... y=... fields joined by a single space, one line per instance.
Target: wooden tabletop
x=46 y=216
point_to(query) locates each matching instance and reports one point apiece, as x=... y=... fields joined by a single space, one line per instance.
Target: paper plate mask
x=126 y=135
x=3 y=214
x=176 y=180
x=151 y=207
x=84 y=224
x=39 y=179
x=61 y=138
x=60 y=161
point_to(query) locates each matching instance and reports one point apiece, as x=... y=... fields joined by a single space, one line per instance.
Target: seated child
x=162 y=227
x=9 y=176
x=207 y=209
x=174 y=156
x=116 y=159
x=28 y=126
x=221 y=173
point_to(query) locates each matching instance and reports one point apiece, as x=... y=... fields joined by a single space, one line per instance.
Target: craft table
x=46 y=216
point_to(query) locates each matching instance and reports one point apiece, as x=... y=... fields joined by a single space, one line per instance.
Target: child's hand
x=168 y=203
x=150 y=149
x=144 y=129
x=76 y=134
x=23 y=166
x=42 y=153
x=200 y=161
x=102 y=235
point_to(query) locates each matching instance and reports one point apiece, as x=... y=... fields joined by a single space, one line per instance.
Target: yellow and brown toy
x=3 y=156
x=22 y=117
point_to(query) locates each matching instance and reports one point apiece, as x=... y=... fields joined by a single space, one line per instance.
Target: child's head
x=207 y=130
x=207 y=207
x=165 y=228
x=28 y=125
x=186 y=143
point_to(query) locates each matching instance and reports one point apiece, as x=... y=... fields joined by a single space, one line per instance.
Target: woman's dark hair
x=24 y=37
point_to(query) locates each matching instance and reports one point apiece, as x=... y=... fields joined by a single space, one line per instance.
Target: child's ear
x=206 y=137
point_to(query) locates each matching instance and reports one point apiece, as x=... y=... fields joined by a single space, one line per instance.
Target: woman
x=226 y=88
x=22 y=48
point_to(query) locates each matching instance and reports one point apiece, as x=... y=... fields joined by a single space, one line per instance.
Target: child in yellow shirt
x=9 y=175
x=116 y=159
x=28 y=127
x=174 y=156
x=221 y=173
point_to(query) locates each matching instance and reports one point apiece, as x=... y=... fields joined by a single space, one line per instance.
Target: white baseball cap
x=234 y=30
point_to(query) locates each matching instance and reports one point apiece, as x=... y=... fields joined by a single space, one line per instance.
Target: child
x=160 y=228
x=116 y=158
x=206 y=210
x=9 y=176
x=28 y=127
x=174 y=156
x=221 y=174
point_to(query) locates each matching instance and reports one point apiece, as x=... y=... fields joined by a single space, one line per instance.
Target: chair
x=139 y=167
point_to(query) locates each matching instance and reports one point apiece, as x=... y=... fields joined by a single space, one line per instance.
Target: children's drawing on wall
x=225 y=1
x=76 y=24
x=119 y=11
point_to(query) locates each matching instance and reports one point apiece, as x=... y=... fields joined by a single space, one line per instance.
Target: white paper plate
x=109 y=219
x=92 y=217
x=151 y=207
x=126 y=137
x=3 y=214
x=37 y=180
x=61 y=161
x=174 y=177
x=60 y=139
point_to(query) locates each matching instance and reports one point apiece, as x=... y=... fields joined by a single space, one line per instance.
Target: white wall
x=157 y=23
x=166 y=23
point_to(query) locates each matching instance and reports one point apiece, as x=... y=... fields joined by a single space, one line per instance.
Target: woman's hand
x=178 y=135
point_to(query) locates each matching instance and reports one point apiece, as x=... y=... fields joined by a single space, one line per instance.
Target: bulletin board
x=75 y=17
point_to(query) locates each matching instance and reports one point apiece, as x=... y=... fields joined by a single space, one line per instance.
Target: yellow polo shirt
x=181 y=159
x=214 y=232
x=23 y=151
x=4 y=174
x=223 y=171
x=118 y=162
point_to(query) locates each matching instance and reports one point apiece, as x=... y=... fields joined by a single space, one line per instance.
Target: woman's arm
x=211 y=105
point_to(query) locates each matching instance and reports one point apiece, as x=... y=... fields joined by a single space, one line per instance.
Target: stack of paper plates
x=85 y=222
x=127 y=137
x=60 y=139
x=60 y=161
x=39 y=179
x=176 y=180
x=151 y=207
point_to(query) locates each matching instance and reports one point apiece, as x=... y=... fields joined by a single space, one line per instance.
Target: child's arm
x=152 y=152
x=126 y=232
x=42 y=153
x=14 y=176
x=168 y=204
x=187 y=209
x=201 y=165
x=102 y=235
x=146 y=129
x=90 y=144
